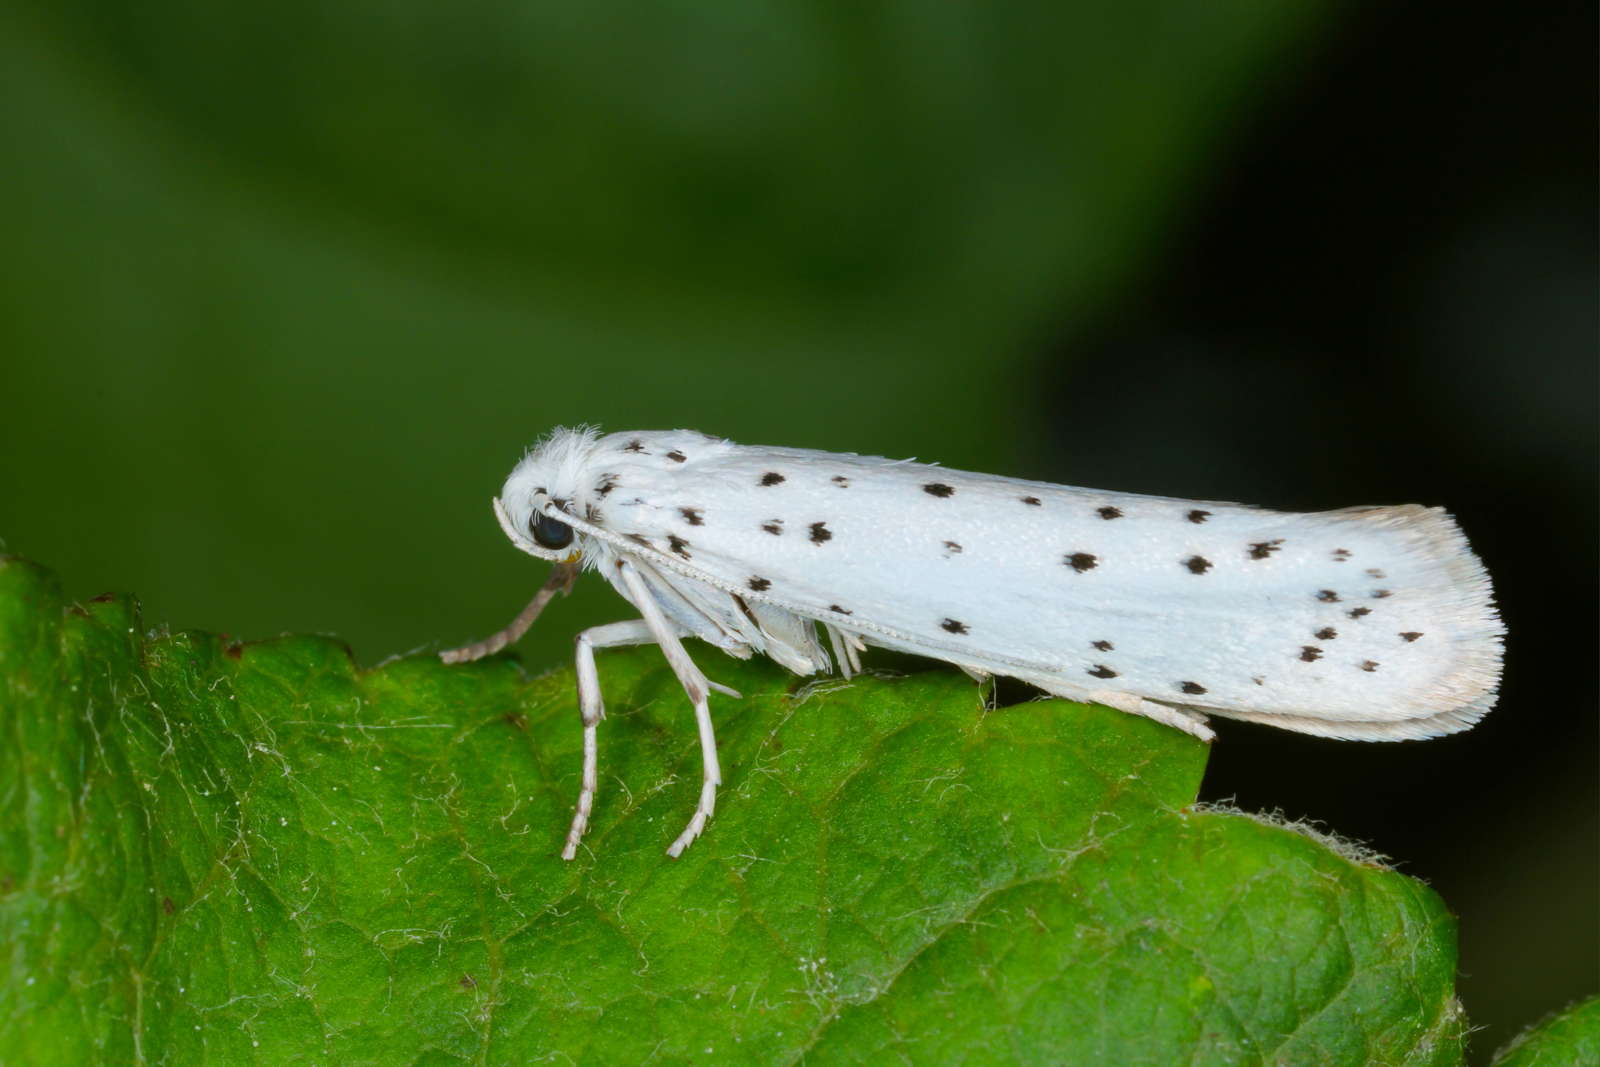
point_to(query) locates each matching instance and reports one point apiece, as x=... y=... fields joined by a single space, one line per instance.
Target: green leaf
x=260 y=853
x=1567 y=1037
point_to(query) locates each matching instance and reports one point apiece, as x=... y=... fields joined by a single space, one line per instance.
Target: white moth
x=1371 y=623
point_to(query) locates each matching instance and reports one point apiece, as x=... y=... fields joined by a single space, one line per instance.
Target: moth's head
x=538 y=497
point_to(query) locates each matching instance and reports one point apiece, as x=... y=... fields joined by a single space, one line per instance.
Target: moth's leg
x=841 y=653
x=696 y=686
x=1192 y=723
x=846 y=647
x=854 y=646
x=559 y=582
x=593 y=709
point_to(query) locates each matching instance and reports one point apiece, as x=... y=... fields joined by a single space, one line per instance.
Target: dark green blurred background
x=289 y=286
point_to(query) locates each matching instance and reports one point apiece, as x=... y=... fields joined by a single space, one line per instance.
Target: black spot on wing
x=693 y=516
x=1109 y=512
x=1327 y=596
x=1103 y=646
x=820 y=533
x=1340 y=555
x=759 y=585
x=1081 y=561
x=1100 y=670
x=939 y=489
x=772 y=478
x=1411 y=635
x=1197 y=516
x=1031 y=501
x=635 y=445
x=841 y=611
x=678 y=545
x=841 y=481
x=952 y=549
x=1194 y=689
x=953 y=626
x=1369 y=665
x=1380 y=594
x=1327 y=633
x=773 y=526
x=1263 y=549
x=1197 y=564
x=1356 y=613
x=606 y=483
x=1310 y=653
x=676 y=456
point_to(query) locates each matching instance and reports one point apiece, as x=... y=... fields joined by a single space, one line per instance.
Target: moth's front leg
x=559 y=582
x=696 y=685
x=593 y=709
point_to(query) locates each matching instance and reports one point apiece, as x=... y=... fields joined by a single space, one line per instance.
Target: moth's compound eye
x=548 y=532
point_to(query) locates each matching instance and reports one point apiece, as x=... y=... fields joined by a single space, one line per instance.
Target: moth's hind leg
x=1190 y=722
x=696 y=685
x=593 y=709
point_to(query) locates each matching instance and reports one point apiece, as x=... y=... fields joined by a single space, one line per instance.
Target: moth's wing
x=1322 y=622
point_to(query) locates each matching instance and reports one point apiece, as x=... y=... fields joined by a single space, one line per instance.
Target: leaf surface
x=1567 y=1037
x=259 y=853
